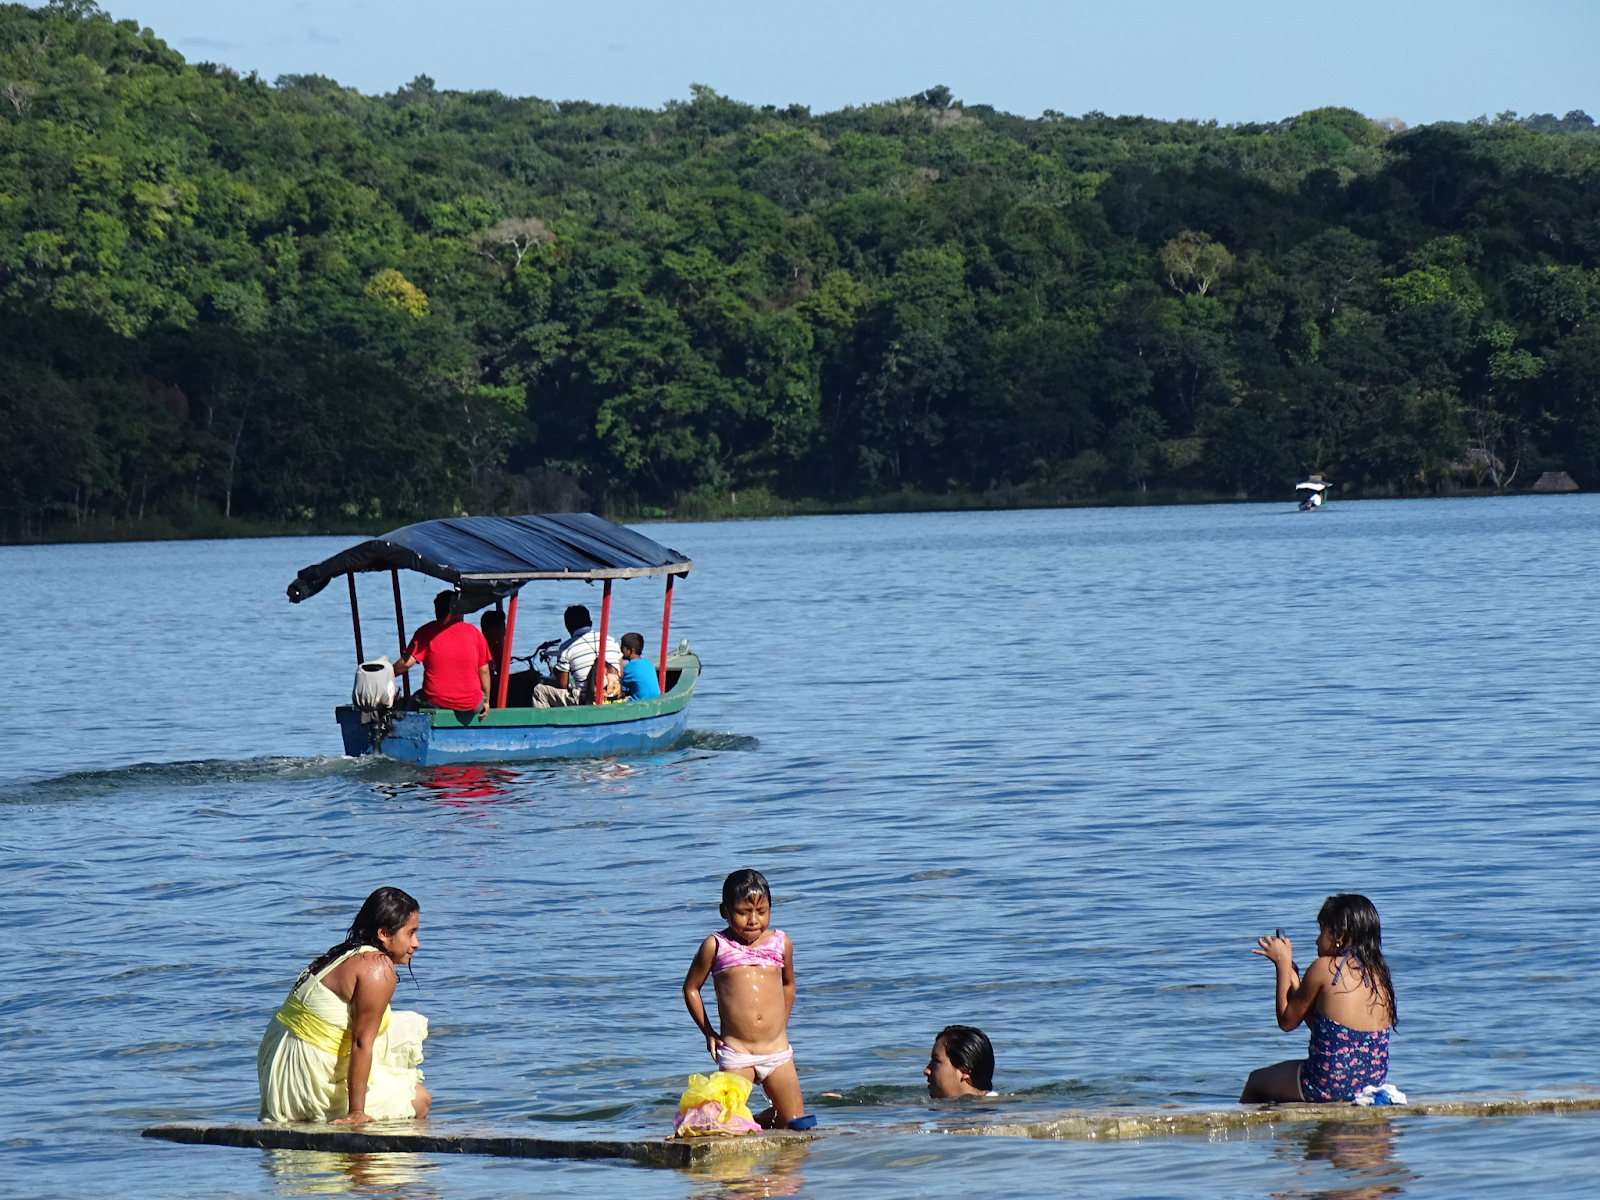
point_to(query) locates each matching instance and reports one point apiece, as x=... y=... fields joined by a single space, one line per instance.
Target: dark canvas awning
x=490 y=557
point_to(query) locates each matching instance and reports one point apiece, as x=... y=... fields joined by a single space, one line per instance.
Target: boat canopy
x=489 y=558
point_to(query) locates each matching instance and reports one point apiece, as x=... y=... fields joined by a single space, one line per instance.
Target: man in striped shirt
x=575 y=659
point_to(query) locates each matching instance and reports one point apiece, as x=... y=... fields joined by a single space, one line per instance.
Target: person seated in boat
x=575 y=659
x=493 y=627
x=960 y=1064
x=455 y=661
x=334 y=1051
x=638 y=676
x=1346 y=999
x=519 y=684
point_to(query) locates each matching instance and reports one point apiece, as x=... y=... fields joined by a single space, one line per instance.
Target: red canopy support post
x=505 y=653
x=355 y=617
x=400 y=628
x=666 y=621
x=600 y=658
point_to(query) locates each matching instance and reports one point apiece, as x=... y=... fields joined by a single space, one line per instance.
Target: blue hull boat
x=488 y=560
x=438 y=736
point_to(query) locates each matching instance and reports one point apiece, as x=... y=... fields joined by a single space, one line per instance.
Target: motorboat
x=488 y=561
x=1311 y=493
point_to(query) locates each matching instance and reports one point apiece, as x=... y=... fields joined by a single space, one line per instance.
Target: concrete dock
x=1112 y=1124
x=1115 y=1124
x=395 y=1138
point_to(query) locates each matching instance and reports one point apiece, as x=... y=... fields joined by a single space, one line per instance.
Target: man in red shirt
x=455 y=658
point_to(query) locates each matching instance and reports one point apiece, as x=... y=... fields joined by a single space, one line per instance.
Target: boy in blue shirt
x=638 y=676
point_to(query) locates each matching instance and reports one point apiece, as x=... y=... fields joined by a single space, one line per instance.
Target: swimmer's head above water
x=961 y=1064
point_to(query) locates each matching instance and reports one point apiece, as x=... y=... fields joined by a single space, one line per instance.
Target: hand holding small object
x=1277 y=948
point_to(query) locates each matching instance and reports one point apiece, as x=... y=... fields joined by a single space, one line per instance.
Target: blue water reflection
x=1046 y=772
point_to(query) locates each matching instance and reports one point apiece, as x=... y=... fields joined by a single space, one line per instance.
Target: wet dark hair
x=968 y=1049
x=442 y=604
x=1353 y=921
x=741 y=885
x=388 y=909
x=634 y=642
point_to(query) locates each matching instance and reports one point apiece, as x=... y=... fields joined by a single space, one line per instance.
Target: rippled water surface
x=1044 y=772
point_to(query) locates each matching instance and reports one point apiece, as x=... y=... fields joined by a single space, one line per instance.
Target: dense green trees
x=299 y=303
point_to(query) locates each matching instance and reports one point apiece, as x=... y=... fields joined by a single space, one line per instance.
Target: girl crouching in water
x=1345 y=998
x=334 y=1051
x=752 y=971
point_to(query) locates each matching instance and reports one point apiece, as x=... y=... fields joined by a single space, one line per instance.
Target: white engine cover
x=374 y=687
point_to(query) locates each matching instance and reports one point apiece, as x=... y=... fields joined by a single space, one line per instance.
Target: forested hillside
x=296 y=303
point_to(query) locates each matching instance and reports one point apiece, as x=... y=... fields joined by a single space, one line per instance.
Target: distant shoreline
x=737 y=506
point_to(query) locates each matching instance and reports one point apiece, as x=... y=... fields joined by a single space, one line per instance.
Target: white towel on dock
x=1387 y=1094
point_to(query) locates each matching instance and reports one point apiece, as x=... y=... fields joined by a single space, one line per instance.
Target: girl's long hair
x=1353 y=920
x=387 y=909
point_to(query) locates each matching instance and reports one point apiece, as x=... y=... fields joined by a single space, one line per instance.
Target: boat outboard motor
x=373 y=697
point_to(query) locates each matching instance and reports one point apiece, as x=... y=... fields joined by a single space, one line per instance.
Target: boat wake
x=79 y=785
x=195 y=773
x=705 y=739
x=271 y=770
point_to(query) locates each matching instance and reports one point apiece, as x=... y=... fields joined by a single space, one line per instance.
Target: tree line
x=297 y=303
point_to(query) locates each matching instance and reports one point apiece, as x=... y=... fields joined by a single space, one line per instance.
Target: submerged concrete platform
x=1111 y=1124
x=1115 y=1124
x=398 y=1138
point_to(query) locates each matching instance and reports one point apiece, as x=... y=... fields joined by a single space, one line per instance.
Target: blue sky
x=1232 y=60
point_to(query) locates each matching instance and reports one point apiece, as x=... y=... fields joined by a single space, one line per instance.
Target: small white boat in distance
x=1311 y=493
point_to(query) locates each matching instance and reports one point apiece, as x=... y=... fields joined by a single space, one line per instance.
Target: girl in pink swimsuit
x=752 y=971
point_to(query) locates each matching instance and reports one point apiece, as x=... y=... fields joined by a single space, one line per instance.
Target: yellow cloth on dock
x=303 y=1065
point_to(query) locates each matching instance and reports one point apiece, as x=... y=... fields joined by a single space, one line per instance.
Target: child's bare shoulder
x=708 y=947
x=1320 y=970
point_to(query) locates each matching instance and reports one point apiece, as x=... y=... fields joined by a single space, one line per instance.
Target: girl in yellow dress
x=334 y=1051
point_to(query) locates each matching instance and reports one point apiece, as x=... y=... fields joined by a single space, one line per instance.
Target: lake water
x=1044 y=772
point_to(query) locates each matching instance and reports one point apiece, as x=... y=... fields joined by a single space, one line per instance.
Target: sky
x=1227 y=60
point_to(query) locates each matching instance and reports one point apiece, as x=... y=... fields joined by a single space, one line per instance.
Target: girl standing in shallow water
x=1346 y=999
x=752 y=971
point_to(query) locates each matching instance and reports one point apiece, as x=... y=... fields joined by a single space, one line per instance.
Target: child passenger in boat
x=752 y=971
x=1346 y=999
x=638 y=676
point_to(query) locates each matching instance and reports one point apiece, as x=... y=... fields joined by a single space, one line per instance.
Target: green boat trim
x=678 y=695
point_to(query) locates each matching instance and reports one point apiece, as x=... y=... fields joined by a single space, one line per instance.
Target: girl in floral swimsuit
x=1346 y=999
